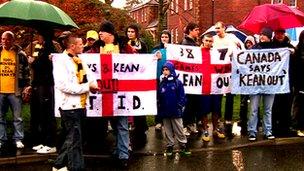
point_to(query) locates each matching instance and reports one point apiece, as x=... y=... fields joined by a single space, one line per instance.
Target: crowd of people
x=27 y=76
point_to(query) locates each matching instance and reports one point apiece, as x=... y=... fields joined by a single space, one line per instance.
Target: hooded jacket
x=171 y=95
x=161 y=48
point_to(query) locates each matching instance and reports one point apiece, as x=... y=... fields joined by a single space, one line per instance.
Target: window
x=190 y=4
x=185 y=4
x=142 y=15
x=145 y=14
x=172 y=7
x=293 y=3
x=172 y=35
x=176 y=6
x=176 y=35
x=277 y=1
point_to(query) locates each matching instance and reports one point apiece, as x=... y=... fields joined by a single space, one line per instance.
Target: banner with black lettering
x=202 y=71
x=263 y=71
x=127 y=82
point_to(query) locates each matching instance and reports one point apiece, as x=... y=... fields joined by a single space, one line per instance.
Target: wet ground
x=281 y=157
x=219 y=154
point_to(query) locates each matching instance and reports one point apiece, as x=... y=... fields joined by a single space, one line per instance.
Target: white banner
x=261 y=71
x=127 y=82
x=202 y=71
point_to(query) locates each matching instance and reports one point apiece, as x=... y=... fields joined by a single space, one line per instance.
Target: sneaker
x=61 y=169
x=109 y=127
x=38 y=147
x=123 y=163
x=184 y=150
x=47 y=150
x=158 y=127
x=252 y=137
x=169 y=151
x=218 y=134
x=131 y=127
x=300 y=133
x=206 y=137
x=270 y=137
x=186 y=132
x=192 y=128
x=19 y=144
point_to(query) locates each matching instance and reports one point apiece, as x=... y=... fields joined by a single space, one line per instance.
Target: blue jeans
x=122 y=137
x=71 y=154
x=13 y=101
x=253 y=119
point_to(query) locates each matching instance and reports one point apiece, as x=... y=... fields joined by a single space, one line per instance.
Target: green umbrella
x=36 y=14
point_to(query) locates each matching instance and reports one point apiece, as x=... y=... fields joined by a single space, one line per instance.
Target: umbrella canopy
x=34 y=14
x=229 y=29
x=274 y=16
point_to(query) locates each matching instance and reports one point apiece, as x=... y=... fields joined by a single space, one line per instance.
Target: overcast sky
x=119 y=3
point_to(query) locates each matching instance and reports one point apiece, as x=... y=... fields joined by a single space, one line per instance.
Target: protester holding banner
x=95 y=124
x=281 y=110
x=193 y=105
x=210 y=103
x=298 y=101
x=227 y=42
x=249 y=43
x=171 y=96
x=140 y=123
x=264 y=43
x=111 y=45
x=73 y=82
x=165 y=38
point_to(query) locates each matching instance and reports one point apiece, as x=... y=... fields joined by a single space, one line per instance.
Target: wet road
x=268 y=158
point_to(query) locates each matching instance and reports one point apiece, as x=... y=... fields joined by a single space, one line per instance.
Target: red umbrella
x=274 y=16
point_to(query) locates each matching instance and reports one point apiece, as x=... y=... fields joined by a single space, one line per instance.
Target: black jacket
x=188 y=41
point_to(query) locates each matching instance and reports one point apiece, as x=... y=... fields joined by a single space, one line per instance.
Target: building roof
x=154 y=23
x=149 y=3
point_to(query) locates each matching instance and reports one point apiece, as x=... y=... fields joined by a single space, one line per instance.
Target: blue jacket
x=171 y=95
x=160 y=62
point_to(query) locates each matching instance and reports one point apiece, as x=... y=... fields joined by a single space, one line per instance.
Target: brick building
x=146 y=15
x=207 y=12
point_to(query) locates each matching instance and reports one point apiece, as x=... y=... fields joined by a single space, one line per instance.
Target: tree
x=87 y=14
x=131 y=4
x=163 y=7
x=109 y=2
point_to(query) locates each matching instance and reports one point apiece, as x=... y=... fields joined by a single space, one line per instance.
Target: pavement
x=155 y=146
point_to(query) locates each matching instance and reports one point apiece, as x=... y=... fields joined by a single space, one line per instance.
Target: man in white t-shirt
x=223 y=40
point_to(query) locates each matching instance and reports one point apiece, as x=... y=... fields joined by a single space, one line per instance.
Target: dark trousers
x=141 y=127
x=297 y=116
x=91 y=126
x=193 y=109
x=244 y=112
x=281 y=114
x=43 y=123
x=229 y=107
x=71 y=154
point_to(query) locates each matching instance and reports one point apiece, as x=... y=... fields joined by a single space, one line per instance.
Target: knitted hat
x=267 y=32
x=250 y=39
x=108 y=27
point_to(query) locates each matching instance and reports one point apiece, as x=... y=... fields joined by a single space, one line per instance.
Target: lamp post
x=212 y=12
